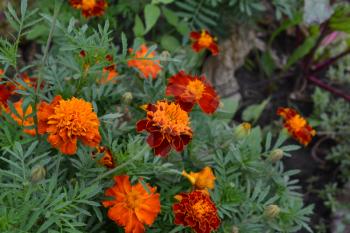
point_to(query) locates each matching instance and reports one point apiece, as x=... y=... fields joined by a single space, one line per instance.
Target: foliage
x=42 y=190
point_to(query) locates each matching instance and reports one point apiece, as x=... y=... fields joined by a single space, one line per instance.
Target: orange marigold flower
x=90 y=8
x=205 y=179
x=107 y=158
x=108 y=76
x=296 y=125
x=168 y=125
x=133 y=206
x=23 y=118
x=66 y=122
x=189 y=90
x=29 y=81
x=203 y=40
x=145 y=64
x=196 y=210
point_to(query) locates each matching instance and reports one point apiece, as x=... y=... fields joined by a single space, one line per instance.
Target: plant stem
x=328 y=88
x=44 y=60
x=325 y=64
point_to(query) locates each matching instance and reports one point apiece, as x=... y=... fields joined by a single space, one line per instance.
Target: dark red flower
x=196 y=210
x=189 y=90
x=203 y=40
x=168 y=125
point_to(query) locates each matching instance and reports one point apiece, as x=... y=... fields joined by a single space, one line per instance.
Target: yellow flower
x=205 y=179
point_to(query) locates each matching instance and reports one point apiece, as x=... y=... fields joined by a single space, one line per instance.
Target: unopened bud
x=276 y=155
x=242 y=130
x=127 y=97
x=272 y=211
x=38 y=173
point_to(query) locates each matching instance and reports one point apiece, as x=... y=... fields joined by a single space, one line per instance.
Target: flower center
x=132 y=200
x=171 y=118
x=196 y=88
x=201 y=208
x=297 y=122
x=205 y=40
x=88 y=4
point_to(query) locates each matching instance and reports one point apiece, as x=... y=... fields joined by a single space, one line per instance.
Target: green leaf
x=183 y=28
x=229 y=109
x=302 y=50
x=24 y=4
x=139 y=29
x=162 y=1
x=253 y=112
x=169 y=43
x=152 y=13
x=170 y=16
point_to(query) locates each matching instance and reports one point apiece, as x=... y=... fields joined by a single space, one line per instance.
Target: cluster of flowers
x=167 y=122
x=65 y=122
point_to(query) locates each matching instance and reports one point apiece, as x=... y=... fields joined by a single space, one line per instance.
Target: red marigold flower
x=203 y=40
x=66 y=122
x=189 y=90
x=196 y=210
x=296 y=125
x=168 y=126
x=145 y=64
x=90 y=8
x=133 y=206
x=6 y=91
x=107 y=158
x=23 y=118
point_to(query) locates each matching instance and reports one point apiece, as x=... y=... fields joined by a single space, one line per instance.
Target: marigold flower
x=197 y=211
x=168 y=126
x=66 y=122
x=108 y=76
x=107 y=158
x=23 y=118
x=205 y=179
x=189 y=90
x=145 y=64
x=203 y=40
x=90 y=8
x=29 y=81
x=133 y=206
x=6 y=91
x=296 y=125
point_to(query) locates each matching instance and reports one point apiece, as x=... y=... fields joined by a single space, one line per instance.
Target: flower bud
x=242 y=130
x=276 y=155
x=38 y=173
x=272 y=211
x=127 y=97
